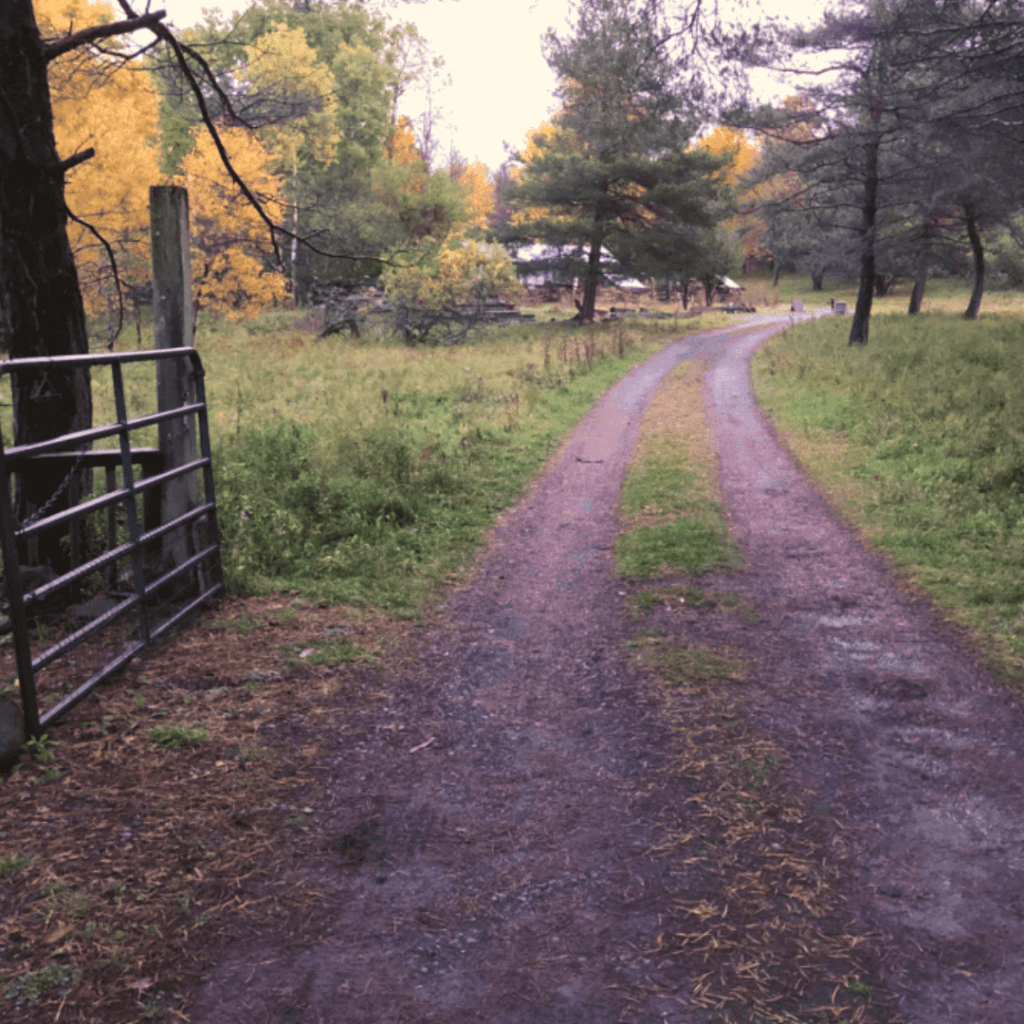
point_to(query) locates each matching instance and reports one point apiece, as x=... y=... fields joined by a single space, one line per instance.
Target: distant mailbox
x=840 y=308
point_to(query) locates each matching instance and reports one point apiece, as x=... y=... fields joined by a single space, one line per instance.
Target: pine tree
x=616 y=171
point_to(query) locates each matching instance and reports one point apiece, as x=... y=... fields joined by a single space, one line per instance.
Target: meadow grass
x=367 y=471
x=942 y=295
x=671 y=517
x=918 y=440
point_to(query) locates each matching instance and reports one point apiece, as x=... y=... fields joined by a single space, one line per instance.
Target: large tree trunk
x=979 y=265
x=592 y=277
x=869 y=213
x=923 y=256
x=37 y=271
x=817 y=280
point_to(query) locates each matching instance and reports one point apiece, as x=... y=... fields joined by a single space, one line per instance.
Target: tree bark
x=923 y=256
x=869 y=213
x=591 y=279
x=817 y=280
x=979 y=265
x=37 y=270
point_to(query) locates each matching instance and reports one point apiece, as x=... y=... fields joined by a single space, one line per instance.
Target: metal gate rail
x=206 y=562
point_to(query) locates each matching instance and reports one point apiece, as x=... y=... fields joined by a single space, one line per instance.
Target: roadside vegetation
x=918 y=441
x=366 y=473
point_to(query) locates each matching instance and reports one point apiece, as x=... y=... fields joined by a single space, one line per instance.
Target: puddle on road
x=854 y=645
x=841 y=621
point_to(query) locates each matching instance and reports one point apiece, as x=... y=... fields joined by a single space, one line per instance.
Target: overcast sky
x=501 y=86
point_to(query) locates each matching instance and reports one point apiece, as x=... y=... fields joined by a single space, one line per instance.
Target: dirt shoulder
x=535 y=809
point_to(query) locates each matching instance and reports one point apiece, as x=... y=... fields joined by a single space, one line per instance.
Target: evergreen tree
x=614 y=171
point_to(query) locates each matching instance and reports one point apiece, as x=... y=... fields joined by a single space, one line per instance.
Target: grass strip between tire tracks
x=672 y=518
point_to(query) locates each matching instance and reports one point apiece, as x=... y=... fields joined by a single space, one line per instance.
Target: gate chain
x=52 y=500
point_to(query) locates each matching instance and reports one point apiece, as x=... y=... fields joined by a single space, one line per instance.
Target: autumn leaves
x=306 y=104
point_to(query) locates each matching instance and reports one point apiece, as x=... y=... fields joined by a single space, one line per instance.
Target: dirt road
x=531 y=852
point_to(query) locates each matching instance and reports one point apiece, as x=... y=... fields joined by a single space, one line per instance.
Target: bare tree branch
x=116 y=28
x=113 y=266
x=74 y=161
x=211 y=78
x=168 y=37
x=128 y=57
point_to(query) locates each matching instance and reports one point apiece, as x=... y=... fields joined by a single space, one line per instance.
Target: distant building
x=539 y=265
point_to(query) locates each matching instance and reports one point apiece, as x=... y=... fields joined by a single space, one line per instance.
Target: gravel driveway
x=530 y=853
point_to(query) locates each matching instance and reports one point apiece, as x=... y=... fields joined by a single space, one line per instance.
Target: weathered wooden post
x=174 y=328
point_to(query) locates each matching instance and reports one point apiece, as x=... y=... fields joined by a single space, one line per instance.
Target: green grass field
x=944 y=295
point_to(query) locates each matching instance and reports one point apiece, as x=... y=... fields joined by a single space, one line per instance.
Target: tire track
x=915 y=742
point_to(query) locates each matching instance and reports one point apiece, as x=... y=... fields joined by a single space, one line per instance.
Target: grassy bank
x=918 y=439
x=366 y=473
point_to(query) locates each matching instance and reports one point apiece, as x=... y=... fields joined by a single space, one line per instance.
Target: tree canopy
x=305 y=97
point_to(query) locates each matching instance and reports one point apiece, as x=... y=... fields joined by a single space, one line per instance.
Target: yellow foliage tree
x=232 y=265
x=460 y=271
x=745 y=154
x=402 y=148
x=545 y=130
x=481 y=193
x=111 y=106
x=748 y=227
x=546 y=133
x=299 y=109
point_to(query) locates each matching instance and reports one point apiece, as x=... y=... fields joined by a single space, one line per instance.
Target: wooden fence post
x=174 y=328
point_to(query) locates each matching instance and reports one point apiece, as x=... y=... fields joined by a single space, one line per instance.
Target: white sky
x=501 y=86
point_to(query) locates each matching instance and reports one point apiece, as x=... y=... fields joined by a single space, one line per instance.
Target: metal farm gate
x=162 y=587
